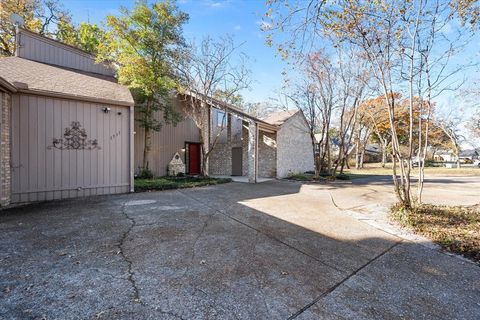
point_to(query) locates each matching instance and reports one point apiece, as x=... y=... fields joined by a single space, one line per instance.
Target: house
x=66 y=125
x=445 y=156
x=469 y=155
x=245 y=145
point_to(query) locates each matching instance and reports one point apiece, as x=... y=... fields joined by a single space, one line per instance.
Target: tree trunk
x=357 y=154
x=384 y=156
x=146 y=148
x=362 y=157
x=205 y=138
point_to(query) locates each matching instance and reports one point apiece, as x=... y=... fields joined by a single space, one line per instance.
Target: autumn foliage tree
x=41 y=16
x=145 y=43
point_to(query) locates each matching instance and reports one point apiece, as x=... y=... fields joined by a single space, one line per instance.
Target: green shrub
x=167 y=183
x=145 y=173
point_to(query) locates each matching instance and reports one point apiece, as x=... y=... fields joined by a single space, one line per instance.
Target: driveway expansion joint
x=334 y=287
x=265 y=234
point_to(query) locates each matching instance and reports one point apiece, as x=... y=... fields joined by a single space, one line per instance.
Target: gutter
x=7 y=85
x=75 y=97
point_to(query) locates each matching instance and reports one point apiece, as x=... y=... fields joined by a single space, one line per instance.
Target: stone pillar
x=252 y=152
x=5 y=174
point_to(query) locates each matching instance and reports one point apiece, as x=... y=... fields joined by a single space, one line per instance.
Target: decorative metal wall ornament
x=74 y=138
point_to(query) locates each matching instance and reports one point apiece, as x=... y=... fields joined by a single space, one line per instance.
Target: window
x=221 y=119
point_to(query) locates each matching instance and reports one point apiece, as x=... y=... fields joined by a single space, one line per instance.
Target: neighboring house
x=67 y=126
x=445 y=156
x=469 y=155
x=372 y=151
x=246 y=146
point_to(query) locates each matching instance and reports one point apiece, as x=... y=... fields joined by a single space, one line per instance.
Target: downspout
x=256 y=151
x=132 y=150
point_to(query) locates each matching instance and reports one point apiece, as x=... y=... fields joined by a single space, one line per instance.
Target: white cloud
x=215 y=4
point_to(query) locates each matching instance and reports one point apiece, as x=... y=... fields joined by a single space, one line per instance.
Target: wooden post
x=252 y=151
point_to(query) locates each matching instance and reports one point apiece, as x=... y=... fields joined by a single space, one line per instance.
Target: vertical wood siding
x=165 y=143
x=40 y=173
x=37 y=48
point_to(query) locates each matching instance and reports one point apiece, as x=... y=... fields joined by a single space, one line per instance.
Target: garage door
x=66 y=148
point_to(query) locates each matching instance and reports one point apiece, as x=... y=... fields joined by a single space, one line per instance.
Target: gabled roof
x=470 y=153
x=278 y=118
x=216 y=103
x=40 y=78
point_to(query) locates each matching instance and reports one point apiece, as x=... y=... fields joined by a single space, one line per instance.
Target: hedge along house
x=68 y=124
x=246 y=145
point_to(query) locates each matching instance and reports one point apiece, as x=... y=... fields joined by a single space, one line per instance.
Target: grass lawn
x=372 y=169
x=375 y=169
x=457 y=229
x=167 y=183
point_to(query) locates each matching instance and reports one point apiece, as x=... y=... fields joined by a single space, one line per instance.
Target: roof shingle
x=278 y=118
x=35 y=76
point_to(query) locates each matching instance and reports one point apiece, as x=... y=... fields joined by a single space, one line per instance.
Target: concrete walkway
x=275 y=250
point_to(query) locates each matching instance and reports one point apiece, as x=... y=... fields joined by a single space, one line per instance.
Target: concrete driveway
x=275 y=250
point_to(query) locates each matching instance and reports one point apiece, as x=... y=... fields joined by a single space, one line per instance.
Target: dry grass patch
x=372 y=169
x=457 y=229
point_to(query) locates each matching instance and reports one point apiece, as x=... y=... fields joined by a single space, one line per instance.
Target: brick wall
x=5 y=105
x=267 y=155
x=295 y=152
x=221 y=156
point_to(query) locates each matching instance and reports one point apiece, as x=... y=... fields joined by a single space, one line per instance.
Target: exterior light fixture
x=106 y=109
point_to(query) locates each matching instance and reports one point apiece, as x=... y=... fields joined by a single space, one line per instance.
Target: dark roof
x=27 y=75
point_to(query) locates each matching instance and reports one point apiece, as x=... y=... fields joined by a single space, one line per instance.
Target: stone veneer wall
x=221 y=156
x=294 y=147
x=267 y=155
x=220 y=161
x=5 y=174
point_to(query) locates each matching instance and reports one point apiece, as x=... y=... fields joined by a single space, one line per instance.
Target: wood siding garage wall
x=38 y=48
x=42 y=173
x=165 y=143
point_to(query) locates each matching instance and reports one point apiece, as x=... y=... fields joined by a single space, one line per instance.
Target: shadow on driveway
x=275 y=250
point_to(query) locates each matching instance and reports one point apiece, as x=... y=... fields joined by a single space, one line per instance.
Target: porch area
x=244 y=148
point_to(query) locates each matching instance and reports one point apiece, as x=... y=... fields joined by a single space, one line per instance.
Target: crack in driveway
x=131 y=273
x=121 y=252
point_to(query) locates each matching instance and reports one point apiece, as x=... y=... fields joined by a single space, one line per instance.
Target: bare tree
x=352 y=80
x=393 y=36
x=215 y=65
x=304 y=97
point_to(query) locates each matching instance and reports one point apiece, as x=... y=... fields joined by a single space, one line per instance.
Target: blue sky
x=241 y=18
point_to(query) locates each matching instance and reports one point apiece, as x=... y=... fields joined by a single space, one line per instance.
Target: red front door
x=194 y=158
